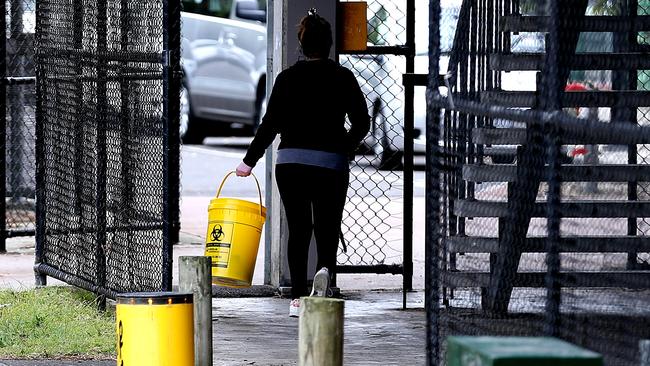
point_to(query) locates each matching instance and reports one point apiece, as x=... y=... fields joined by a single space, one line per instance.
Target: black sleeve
x=357 y=111
x=269 y=127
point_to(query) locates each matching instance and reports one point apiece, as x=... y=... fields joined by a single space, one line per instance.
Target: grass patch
x=54 y=322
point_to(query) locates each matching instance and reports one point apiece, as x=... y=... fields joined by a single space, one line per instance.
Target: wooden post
x=320 y=334
x=194 y=275
x=644 y=349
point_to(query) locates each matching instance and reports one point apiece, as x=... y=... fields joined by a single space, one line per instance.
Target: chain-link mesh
x=372 y=223
x=543 y=173
x=105 y=155
x=19 y=117
x=373 y=218
x=386 y=22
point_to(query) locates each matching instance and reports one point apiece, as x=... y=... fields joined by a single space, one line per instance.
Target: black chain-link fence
x=536 y=188
x=18 y=118
x=108 y=107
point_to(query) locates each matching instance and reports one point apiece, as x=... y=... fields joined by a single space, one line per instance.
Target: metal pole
x=3 y=125
x=171 y=112
x=102 y=109
x=432 y=180
x=41 y=239
x=627 y=80
x=195 y=276
x=552 y=95
x=407 y=275
x=268 y=193
x=126 y=152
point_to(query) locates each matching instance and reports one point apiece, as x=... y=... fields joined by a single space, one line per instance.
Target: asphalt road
x=204 y=166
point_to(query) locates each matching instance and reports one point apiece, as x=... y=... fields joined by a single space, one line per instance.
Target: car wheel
x=386 y=156
x=190 y=131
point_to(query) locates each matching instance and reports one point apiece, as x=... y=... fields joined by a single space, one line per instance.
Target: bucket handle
x=259 y=190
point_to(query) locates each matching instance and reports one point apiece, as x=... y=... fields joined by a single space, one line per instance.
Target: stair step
x=581 y=61
x=568 y=173
x=499 y=136
x=500 y=151
x=596 y=209
x=588 y=244
x=526 y=99
x=518 y=23
x=622 y=279
x=517 y=136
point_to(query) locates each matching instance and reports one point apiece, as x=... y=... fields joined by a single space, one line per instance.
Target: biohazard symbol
x=217 y=233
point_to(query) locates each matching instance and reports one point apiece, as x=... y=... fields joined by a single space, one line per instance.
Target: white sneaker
x=294 y=308
x=321 y=285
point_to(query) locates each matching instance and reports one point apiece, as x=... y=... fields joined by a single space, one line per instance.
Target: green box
x=517 y=351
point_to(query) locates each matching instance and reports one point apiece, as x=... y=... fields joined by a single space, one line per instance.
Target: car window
x=216 y=8
x=251 y=10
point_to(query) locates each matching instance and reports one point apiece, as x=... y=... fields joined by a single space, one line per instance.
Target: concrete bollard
x=195 y=275
x=644 y=349
x=320 y=333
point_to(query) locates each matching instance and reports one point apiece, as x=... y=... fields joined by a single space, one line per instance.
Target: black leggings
x=306 y=192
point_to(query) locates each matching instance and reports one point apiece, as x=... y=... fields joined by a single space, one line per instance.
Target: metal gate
x=108 y=77
x=380 y=198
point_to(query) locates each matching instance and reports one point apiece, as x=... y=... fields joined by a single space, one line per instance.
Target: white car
x=224 y=60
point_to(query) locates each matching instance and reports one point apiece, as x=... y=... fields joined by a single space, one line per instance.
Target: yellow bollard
x=155 y=329
x=233 y=238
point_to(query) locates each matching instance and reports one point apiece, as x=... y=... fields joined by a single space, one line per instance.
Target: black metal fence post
x=102 y=112
x=409 y=92
x=552 y=87
x=432 y=181
x=171 y=108
x=3 y=124
x=40 y=277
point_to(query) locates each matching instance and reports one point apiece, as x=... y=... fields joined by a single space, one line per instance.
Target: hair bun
x=311 y=12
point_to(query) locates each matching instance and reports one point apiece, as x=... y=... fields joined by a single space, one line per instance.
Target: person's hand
x=243 y=170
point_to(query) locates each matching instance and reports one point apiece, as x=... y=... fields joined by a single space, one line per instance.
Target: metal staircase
x=476 y=143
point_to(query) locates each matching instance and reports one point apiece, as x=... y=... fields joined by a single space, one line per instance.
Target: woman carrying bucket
x=307 y=107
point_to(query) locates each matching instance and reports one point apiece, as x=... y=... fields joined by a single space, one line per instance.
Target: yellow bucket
x=233 y=238
x=155 y=329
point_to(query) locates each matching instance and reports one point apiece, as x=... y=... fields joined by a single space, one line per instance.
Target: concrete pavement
x=258 y=331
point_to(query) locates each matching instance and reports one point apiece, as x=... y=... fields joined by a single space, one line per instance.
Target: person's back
x=316 y=97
